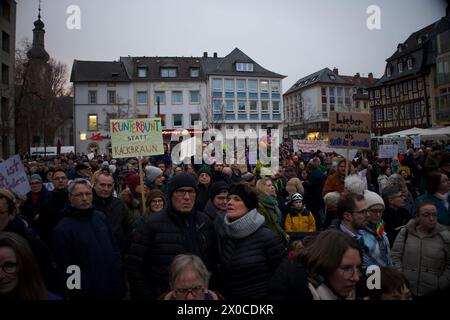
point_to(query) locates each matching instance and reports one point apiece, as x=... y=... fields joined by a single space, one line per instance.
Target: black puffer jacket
x=247 y=264
x=161 y=237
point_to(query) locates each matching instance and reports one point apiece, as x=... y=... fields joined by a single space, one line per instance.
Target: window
x=229 y=85
x=111 y=96
x=275 y=86
x=244 y=67
x=168 y=72
x=142 y=97
x=405 y=87
x=388 y=92
x=252 y=85
x=229 y=106
x=92 y=97
x=253 y=106
x=410 y=64
x=194 y=117
x=177 y=97
x=388 y=114
x=5 y=41
x=5 y=74
x=397 y=90
x=347 y=96
x=377 y=94
x=142 y=72
x=414 y=85
x=400 y=67
x=265 y=106
x=379 y=114
x=92 y=122
x=217 y=84
x=275 y=107
x=407 y=111
x=264 y=86
x=417 y=110
x=240 y=85
x=217 y=106
x=162 y=97
x=388 y=71
x=332 y=77
x=340 y=97
x=332 y=97
x=194 y=97
x=6 y=10
x=194 y=72
x=177 y=120
x=242 y=107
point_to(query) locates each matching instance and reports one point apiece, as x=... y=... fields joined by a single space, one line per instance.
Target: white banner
x=13 y=176
x=388 y=151
x=400 y=141
x=310 y=146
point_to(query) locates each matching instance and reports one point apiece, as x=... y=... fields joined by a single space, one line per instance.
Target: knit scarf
x=377 y=229
x=243 y=226
x=272 y=201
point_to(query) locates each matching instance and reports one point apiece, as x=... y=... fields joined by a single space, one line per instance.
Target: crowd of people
x=310 y=230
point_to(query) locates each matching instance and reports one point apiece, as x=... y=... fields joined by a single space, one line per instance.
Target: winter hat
x=36 y=177
x=204 y=170
x=152 y=173
x=105 y=164
x=217 y=188
x=81 y=166
x=181 y=180
x=371 y=198
x=132 y=181
x=155 y=193
x=248 y=195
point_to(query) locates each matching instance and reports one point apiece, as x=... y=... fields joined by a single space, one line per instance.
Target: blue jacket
x=442 y=211
x=372 y=255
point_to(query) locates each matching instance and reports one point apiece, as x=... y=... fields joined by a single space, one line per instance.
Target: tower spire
x=37 y=51
x=39 y=9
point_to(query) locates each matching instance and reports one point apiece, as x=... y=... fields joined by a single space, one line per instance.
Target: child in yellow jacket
x=299 y=218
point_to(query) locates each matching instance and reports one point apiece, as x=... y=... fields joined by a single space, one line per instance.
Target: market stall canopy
x=407 y=132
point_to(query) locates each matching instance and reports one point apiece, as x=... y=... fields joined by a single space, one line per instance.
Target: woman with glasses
x=189 y=279
x=422 y=252
x=327 y=269
x=20 y=278
x=376 y=247
x=156 y=201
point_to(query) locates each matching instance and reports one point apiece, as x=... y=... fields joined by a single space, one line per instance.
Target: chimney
x=215 y=55
x=370 y=77
x=336 y=71
x=356 y=78
x=205 y=54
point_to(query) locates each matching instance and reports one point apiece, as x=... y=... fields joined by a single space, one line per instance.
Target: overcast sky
x=291 y=37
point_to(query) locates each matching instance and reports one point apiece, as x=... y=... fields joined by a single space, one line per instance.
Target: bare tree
x=120 y=110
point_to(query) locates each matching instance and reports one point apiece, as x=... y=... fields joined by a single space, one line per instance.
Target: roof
x=109 y=71
x=227 y=66
x=322 y=76
x=154 y=65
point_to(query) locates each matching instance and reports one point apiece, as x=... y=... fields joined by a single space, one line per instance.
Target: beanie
x=250 y=198
x=204 y=170
x=155 y=193
x=181 y=180
x=217 y=188
x=152 y=173
x=371 y=198
x=36 y=177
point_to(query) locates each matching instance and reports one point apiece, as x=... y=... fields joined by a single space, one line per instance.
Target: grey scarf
x=244 y=226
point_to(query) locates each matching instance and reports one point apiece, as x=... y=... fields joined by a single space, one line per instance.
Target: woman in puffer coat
x=422 y=252
x=249 y=251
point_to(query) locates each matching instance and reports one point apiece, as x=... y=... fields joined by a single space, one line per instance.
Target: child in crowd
x=299 y=218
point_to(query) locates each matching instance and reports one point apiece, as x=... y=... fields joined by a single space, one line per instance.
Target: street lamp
x=157 y=103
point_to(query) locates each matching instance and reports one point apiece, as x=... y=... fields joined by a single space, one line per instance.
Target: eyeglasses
x=185 y=291
x=183 y=192
x=9 y=267
x=349 y=271
x=157 y=201
x=375 y=212
x=363 y=212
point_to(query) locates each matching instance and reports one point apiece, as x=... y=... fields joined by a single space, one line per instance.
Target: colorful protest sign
x=310 y=146
x=13 y=176
x=136 y=137
x=349 y=130
x=388 y=151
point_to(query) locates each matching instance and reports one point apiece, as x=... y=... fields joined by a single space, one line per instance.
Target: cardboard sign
x=400 y=141
x=136 y=137
x=388 y=151
x=349 y=130
x=13 y=176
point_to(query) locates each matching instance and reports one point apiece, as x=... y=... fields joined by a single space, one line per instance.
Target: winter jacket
x=393 y=220
x=333 y=183
x=31 y=208
x=376 y=249
x=442 y=211
x=202 y=197
x=50 y=214
x=248 y=261
x=425 y=261
x=272 y=219
x=163 y=236
x=211 y=211
x=300 y=221
x=84 y=238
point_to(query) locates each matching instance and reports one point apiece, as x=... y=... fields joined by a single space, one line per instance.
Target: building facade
x=7 y=85
x=413 y=91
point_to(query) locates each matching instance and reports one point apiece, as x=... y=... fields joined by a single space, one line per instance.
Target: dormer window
x=400 y=48
x=168 y=72
x=419 y=40
x=410 y=63
x=388 y=71
x=400 y=67
x=142 y=72
x=332 y=77
x=194 y=72
x=240 y=66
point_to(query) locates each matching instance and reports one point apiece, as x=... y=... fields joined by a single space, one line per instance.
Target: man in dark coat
x=177 y=230
x=31 y=208
x=395 y=214
x=83 y=238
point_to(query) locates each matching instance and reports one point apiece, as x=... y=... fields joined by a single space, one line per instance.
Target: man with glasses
x=180 y=229
x=83 y=238
x=395 y=215
x=352 y=214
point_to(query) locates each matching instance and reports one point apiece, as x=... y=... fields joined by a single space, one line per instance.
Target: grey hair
x=188 y=262
x=391 y=190
x=354 y=184
x=332 y=198
x=396 y=179
x=76 y=181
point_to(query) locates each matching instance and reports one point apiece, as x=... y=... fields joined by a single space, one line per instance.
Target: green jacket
x=270 y=214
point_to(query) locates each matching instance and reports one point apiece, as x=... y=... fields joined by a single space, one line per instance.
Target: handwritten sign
x=13 y=176
x=416 y=140
x=388 y=151
x=310 y=146
x=349 y=130
x=136 y=137
x=400 y=141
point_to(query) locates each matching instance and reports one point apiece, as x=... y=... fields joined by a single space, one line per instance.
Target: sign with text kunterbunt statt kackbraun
x=136 y=137
x=349 y=130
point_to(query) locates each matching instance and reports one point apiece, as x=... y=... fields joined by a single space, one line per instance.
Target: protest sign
x=388 y=151
x=310 y=146
x=416 y=140
x=349 y=130
x=400 y=141
x=136 y=137
x=13 y=176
